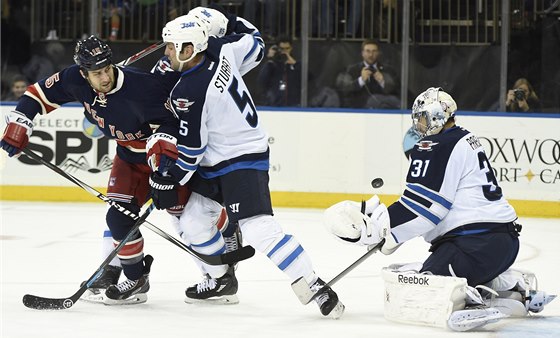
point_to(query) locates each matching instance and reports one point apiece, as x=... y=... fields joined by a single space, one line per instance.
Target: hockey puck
x=377 y=183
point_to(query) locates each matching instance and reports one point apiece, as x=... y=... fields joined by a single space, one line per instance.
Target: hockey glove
x=163 y=191
x=161 y=152
x=347 y=221
x=16 y=135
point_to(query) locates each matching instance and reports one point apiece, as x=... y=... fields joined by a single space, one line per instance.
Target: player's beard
x=105 y=87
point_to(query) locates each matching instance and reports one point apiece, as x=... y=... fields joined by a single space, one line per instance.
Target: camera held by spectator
x=276 y=55
x=522 y=97
x=519 y=94
x=372 y=69
x=280 y=77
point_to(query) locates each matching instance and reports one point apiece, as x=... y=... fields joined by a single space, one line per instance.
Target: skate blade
x=510 y=307
x=138 y=298
x=223 y=300
x=96 y=296
x=338 y=311
x=464 y=320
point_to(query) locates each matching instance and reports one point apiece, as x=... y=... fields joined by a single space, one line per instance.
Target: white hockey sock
x=265 y=234
x=107 y=247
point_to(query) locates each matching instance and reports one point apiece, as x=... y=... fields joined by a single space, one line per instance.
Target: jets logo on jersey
x=426 y=145
x=182 y=105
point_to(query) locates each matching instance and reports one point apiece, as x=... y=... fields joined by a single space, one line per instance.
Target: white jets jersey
x=450 y=183
x=219 y=127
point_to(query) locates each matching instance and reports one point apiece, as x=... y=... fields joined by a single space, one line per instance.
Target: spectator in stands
x=17 y=88
x=280 y=77
x=522 y=97
x=46 y=60
x=369 y=83
x=269 y=15
x=112 y=12
x=348 y=12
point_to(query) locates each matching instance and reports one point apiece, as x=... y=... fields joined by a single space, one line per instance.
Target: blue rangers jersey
x=219 y=129
x=129 y=113
x=450 y=183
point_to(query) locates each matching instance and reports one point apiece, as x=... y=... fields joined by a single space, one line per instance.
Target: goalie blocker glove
x=163 y=191
x=16 y=135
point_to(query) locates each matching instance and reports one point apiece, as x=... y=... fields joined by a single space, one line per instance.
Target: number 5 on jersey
x=242 y=101
x=183 y=128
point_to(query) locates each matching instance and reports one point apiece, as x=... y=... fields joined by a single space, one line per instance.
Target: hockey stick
x=300 y=286
x=43 y=303
x=232 y=257
x=148 y=50
x=304 y=293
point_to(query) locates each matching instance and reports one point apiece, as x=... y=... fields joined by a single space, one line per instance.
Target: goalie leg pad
x=422 y=299
x=425 y=299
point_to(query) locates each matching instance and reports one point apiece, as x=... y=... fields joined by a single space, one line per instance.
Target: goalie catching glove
x=161 y=152
x=365 y=224
x=16 y=135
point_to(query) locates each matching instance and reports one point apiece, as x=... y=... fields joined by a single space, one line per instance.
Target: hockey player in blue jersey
x=128 y=105
x=224 y=157
x=453 y=200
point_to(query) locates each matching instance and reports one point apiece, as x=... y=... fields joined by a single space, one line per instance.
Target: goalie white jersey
x=219 y=128
x=450 y=183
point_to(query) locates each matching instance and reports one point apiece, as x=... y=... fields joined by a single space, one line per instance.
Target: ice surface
x=49 y=248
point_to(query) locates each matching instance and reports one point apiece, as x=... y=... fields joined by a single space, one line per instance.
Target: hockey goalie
x=453 y=201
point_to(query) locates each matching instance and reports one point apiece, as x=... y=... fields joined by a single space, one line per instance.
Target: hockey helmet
x=216 y=22
x=431 y=110
x=92 y=54
x=186 y=29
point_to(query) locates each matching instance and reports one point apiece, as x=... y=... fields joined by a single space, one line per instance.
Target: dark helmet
x=92 y=54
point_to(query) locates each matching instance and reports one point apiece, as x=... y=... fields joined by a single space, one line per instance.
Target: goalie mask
x=186 y=29
x=431 y=110
x=216 y=22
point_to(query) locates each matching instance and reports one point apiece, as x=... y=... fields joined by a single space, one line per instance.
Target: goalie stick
x=304 y=293
x=232 y=257
x=44 y=303
x=300 y=286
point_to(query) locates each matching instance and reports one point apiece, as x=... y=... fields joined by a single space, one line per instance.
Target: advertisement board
x=317 y=157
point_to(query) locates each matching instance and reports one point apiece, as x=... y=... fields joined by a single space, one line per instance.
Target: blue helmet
x=92 y=54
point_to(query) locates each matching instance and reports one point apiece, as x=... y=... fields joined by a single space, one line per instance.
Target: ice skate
x=536 y=300
x=130 y=291
x=328 y=300
x=96 y=292
x=474 y=316
x=523 y=298
x=210 y=290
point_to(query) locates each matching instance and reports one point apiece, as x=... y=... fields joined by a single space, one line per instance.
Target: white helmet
x=215 y=21
x=437 y=107
x=186 y=29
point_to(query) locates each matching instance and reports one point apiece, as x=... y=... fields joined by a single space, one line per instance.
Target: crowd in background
x=347 y=68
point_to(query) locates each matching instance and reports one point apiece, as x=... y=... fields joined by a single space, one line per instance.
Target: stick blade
x=41 y=303
x=241 y=254
x=302 y=291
